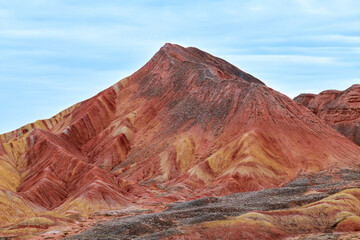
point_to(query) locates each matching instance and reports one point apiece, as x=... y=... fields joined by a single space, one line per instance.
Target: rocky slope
x=187 y=125
x=340 y=109
x=314 y=203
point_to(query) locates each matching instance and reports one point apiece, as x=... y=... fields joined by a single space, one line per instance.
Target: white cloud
x=293 y=59
x=335 y=38
x=329 y=7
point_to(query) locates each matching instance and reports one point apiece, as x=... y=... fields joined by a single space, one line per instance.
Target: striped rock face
x=340 y=109
x=185 y=126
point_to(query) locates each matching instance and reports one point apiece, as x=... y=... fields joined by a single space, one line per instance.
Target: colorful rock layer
x=186 y=125
x=340 y=109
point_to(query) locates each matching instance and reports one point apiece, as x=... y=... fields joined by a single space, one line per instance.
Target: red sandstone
x=185 y=126
x=340 y=109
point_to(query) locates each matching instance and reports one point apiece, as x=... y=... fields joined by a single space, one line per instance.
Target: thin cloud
x=278 y=59
x=337 y=38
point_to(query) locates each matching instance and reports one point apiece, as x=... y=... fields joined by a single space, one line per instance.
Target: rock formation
x=340 y=109
x=186 y=125
x=318 y=206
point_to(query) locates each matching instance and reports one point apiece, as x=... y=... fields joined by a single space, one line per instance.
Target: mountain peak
x=200 y=59
x=169 y=46
x=186 y=125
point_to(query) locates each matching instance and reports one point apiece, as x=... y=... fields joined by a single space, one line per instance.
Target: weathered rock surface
x=340 y=109
x=187 y=125
x=323 y=202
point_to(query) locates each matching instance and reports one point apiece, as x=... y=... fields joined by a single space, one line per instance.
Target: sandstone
x=185 y=126
x=340 y=109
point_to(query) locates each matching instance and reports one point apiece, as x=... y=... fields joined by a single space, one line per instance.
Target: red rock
x=340 y=109
x=336 y=213
x=184 y=126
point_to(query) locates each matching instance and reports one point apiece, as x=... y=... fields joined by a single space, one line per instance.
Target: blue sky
x=56 y=53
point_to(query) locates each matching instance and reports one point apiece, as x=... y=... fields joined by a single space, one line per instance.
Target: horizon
x=60 y=53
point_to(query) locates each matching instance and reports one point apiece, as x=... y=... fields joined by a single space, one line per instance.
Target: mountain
x=187 y=125
x=340 y=109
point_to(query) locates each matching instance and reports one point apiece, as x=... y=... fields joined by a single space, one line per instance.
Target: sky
x=56 y=53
